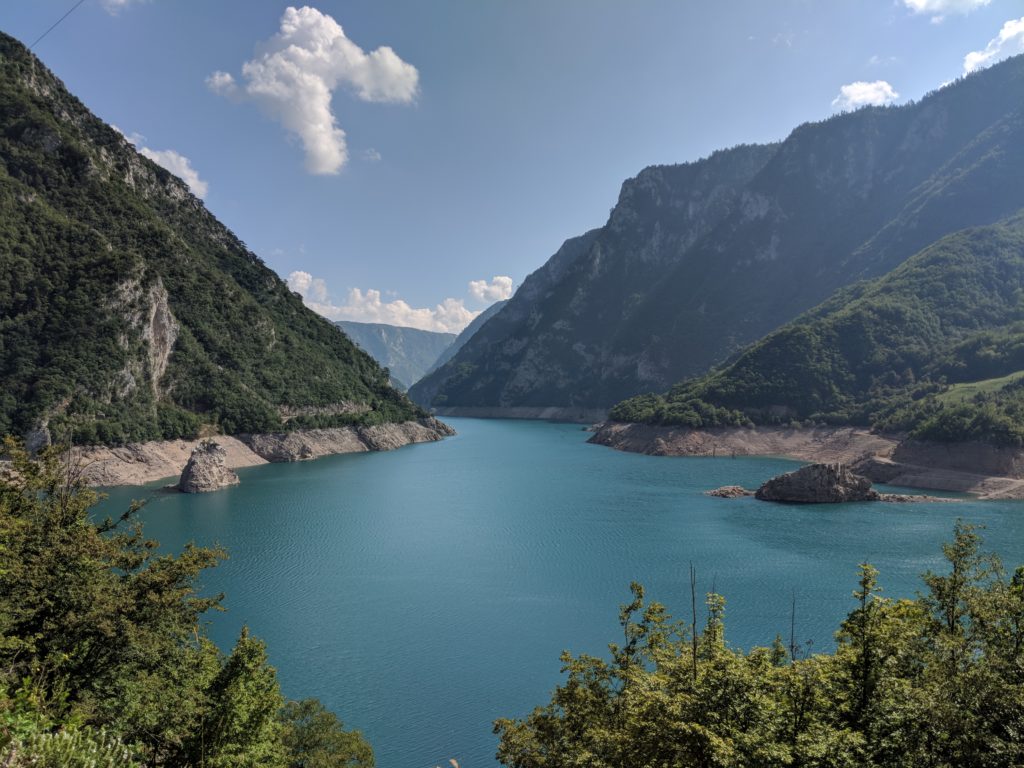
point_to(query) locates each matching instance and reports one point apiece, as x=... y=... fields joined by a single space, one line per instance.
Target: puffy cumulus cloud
x=307 y=286
x=940 y=9
x=1008 y=42
x=450 y=316
x=175 y=162
x=861 y=94
x=180 y=166
x=499 y=289
x=294 y=75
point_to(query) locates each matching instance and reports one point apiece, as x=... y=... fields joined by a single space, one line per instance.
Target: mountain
x=128 y=312
x=407 y=352
x=460 y=341
x=698 y=260
x=934 y=348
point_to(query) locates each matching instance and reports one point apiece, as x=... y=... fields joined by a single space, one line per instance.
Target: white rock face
x=207 y=470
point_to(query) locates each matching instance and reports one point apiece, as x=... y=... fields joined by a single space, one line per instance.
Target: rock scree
x=207 y=470
x=818 y=484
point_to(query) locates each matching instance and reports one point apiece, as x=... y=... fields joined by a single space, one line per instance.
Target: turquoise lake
x=425 y=592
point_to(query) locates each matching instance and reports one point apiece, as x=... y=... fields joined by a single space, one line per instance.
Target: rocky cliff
x=467 y=333
x=206 y=470
x=699 y=259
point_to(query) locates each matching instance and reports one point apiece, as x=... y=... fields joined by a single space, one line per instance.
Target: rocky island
x=207 y=470
x=832 y=483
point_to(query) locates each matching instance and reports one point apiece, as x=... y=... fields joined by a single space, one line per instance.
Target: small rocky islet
x=831 y=483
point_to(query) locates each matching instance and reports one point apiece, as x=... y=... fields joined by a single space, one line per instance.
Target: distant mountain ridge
x=128 y=312
x=698 y=260
x=934 y=348
x=406 y=352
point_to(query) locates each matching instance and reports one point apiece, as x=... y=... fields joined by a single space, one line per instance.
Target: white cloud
x=222 y=83
x=1008 y=42
x=114 y=6
x=450 y=316
x=180 y=166
x=499 y=289
x=939 y=9
x=861 y=94
x=371 y=155
x=882 y=61
x=294 y=75
x=309 y=287
x=174 y=162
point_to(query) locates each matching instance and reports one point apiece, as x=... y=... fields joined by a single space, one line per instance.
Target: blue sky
x=478 y=134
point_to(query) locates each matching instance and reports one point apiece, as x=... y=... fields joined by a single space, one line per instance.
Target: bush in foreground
x=104 y=653
x=936 y=681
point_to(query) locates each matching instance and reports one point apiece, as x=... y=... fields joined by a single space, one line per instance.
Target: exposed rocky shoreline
x=141 y=463
x=980 y=469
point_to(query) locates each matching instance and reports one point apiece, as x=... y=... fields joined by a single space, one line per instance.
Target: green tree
x=103 y=651
x=935 y=681
x=314 y=737
x=240 y=726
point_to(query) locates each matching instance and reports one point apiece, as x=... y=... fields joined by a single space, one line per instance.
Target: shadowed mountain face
x=407 y=352
x=698 y=260
x=467 y=333
x=128 y=312
x=908 y=351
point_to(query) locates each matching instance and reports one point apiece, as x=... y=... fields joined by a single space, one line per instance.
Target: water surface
x=424 y=592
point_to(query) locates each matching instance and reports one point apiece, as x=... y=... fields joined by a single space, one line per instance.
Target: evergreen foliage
x=83 y=748
x=102 y=640
x=92 y=237
x=934 y=681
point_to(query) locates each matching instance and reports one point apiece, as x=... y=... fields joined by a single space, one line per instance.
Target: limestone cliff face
x=314 y=443
x=977 y=457
x=563 y=338
x=697 y=260
x=207 y=470
x=140 y=463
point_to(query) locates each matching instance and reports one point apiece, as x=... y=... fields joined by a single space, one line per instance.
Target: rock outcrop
x=207 y=470
x=818 y=484
x=729 y=492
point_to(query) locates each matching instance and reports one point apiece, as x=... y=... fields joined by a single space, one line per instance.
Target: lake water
x=423 y=593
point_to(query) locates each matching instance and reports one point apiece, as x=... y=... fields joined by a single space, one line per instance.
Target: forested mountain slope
x=934 y=347
x=407 y=352
x=698 y=260
x=128 y=312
